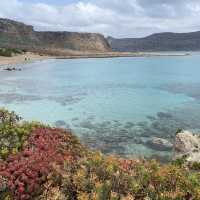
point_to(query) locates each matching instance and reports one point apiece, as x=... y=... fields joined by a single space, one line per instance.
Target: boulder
x=159 y=144
x=187 y=144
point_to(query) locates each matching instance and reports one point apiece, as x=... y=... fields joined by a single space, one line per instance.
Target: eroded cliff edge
x=19 y=35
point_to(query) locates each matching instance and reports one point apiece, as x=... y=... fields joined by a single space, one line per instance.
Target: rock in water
x=187 y=144
x=12 y=69
x=159 y=144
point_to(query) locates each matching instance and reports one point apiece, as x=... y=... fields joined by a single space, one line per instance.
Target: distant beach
x=31 y=57
x=21 y=59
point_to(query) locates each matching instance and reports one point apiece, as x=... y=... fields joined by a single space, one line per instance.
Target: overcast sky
x=118 y=18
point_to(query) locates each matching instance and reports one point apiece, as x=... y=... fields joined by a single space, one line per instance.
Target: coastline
x=32 y=57
x=22 y=59
x=120 y=54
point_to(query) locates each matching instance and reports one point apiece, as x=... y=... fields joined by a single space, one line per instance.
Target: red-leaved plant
x=28 y=170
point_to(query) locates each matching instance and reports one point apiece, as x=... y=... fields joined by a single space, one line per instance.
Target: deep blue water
x=115 y=104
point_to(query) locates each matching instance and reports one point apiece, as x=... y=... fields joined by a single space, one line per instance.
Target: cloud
x=127 y=18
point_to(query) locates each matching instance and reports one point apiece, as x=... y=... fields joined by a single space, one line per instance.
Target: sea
x=115 y=105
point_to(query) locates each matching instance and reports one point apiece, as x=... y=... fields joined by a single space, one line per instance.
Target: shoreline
x=121 y=54
x=22 y=59
x=32 y=57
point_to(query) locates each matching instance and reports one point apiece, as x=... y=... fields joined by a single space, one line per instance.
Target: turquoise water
x=114 y=104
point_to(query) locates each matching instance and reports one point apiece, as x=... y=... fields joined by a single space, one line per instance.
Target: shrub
x=195 y=166
x=27 y=171
x=9 y=52
x=6 y=53
x=13 y=133
x=99 y=177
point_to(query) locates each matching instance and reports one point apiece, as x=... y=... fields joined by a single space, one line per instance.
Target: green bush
x=9 y=52
x=13 y=133
x=6 y=53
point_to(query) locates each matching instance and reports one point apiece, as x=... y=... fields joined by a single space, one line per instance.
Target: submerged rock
x=75 y=119
x=87 y=124
x=164 y=115
x=129 y=125
x=138 y=140
x=159 y=144
x=187 y=144
x=62 y=124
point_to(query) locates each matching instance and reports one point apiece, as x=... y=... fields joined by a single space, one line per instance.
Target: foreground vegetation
x=9 y=52
x=40 y=162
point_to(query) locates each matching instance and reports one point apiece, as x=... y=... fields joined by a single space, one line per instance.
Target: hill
x=15 y=34
x=158 y=42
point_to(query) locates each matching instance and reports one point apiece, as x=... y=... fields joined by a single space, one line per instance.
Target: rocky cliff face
x=158 y=42
x=74 y=41
x=16 y=34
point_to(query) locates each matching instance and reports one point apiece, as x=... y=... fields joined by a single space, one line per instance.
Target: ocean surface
x=115 y=105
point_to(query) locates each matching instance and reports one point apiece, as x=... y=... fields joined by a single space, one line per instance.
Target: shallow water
x=114 y=104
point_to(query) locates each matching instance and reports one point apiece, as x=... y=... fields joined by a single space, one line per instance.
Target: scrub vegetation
x=9 y=52
x=39 y=162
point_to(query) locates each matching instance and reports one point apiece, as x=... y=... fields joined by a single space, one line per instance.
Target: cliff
x=158 y=42
x=18 y=35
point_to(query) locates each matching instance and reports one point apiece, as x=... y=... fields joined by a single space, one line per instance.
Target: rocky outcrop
x=187 y=144
x=18 y=35
x=158 y=42
x=12 y=69
x=159 y=144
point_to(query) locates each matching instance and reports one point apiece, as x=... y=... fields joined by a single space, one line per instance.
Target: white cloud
x=127 y=18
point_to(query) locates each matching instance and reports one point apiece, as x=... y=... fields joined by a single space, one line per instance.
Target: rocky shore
x=187 y=145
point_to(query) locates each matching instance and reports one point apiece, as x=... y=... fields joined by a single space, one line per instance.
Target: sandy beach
x=31 y=57
x=21 y=59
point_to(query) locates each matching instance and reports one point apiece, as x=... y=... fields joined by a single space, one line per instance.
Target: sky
x=117 y=18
